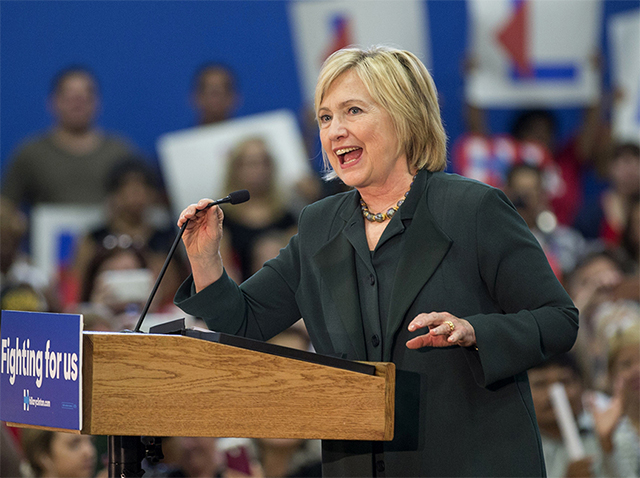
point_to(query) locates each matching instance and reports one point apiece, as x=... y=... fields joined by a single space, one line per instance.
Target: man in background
x=68 y=163
x=214 y=93
x=564 y=369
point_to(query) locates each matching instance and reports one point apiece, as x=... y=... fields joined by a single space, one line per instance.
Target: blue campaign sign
x=41 y=369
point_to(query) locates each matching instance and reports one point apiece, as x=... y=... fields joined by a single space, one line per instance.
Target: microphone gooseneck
x=236 y=197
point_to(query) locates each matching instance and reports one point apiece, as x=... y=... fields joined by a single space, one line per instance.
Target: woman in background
x=56 y=454
x=252 y=167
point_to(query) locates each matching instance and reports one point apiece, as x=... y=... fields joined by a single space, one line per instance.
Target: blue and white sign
x=41 y=369
x=533 y=53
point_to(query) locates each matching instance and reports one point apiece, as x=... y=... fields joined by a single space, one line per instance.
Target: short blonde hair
x=399 y=82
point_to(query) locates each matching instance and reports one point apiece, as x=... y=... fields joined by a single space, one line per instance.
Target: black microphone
x=236 y=197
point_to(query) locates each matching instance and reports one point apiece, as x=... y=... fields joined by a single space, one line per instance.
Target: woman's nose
x=337 y=129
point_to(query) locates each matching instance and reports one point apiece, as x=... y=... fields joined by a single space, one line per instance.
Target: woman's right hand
x=201 y=239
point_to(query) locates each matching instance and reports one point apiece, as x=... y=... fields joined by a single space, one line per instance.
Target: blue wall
x=144 y=53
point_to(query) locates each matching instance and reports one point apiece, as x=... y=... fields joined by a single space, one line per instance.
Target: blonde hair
x=399 y=82
x=623 y=332
x=233 y=182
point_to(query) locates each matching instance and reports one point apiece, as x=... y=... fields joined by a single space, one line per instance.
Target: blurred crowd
x=580 y=199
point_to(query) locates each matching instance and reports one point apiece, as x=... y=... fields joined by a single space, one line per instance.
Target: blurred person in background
x=570 y=161
x=195 y=457
x=563 y=369
x=618 y=424
x=58 y=454
x=631 y=236
x=120 y=280
x=562 y=245
x=252 y=167
x=69 y=163
x=599 y=282
x=136 y=217
x=22 y=285
x=605 y=217
x=10 y=453
x=266 y=247
x=533 y=139
x=96 y=317
x=214 y=96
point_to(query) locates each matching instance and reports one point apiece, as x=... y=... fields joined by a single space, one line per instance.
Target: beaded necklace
x=383 y=216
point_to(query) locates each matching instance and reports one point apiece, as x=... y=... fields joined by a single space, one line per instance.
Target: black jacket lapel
x=336 y=263
x=424 y=248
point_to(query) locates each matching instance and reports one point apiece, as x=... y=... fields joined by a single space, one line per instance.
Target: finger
x=419 y=342
x=203 y=203
x=458 y=336
x=192 y=210
x=426 y=340
x=446 y=328
x=418 y=323
x=437 y=318
x=186 y=214
x=428 y=320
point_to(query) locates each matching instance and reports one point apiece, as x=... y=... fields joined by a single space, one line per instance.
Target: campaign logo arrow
x=514 y=38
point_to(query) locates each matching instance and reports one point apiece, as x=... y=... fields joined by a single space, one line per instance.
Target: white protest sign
x=194 y=161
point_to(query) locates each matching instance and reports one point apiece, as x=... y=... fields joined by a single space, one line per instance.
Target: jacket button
x=372 y=279
x=375 y=340
x=380 y=465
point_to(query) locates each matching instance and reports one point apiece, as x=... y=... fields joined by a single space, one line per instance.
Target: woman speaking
x=431 y=271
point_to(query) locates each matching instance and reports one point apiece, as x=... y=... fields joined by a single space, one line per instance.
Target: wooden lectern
x=153 y=385
x=171 y=385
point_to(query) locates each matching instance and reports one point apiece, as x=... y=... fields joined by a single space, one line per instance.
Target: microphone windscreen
x=238 y=197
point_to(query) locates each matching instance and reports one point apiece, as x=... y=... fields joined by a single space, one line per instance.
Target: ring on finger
x=451 y=325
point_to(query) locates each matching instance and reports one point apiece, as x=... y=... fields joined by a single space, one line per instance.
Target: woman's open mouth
x=348 y=155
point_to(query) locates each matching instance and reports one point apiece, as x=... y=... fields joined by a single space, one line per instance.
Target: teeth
x=345 y=151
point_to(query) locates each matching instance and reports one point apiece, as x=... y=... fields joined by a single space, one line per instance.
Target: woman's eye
x=325 y=118
x=354 y=110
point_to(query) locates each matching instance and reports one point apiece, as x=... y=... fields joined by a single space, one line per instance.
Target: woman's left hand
x=445 y=330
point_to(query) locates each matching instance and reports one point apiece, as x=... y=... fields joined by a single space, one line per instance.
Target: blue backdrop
x=144 y=53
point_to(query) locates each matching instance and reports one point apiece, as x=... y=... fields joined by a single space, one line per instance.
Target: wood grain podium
x=172 y=385
x=138 y=387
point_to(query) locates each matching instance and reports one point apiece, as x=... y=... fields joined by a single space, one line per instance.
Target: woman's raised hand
x=201 y=239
